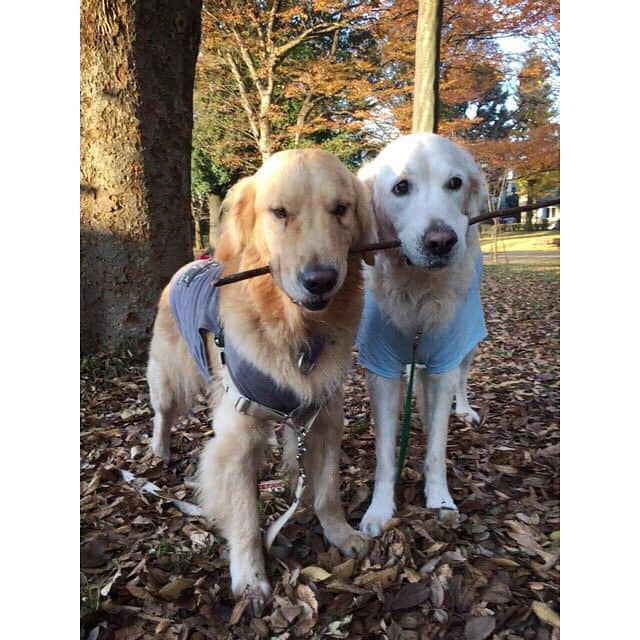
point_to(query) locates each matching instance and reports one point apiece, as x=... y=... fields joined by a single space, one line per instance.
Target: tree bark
x=425 y=91
x=300 y=120
x=528 y=224
x=264 y=122
x=214 y=218
x=137 y=63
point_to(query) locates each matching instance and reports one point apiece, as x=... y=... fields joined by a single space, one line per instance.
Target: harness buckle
x=242 y=405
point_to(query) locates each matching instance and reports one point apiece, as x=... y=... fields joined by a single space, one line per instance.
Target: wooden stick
x=390 y=244
x=242 y=275
x=501 y=213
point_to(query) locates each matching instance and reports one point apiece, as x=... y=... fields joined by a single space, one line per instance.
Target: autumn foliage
x=340 y=75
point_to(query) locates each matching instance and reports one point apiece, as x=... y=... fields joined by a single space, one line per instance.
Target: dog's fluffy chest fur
x=273 y=341
x=417 y=299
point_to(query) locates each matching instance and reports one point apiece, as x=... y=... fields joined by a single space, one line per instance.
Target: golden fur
x=266 y=326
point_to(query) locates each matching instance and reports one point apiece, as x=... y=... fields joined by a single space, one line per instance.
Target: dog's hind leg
x=322 y=463
x=438 y=399
x=165 y=409
x=161 y=440
x=385 y=397
x=228 y=494
x=463 y=408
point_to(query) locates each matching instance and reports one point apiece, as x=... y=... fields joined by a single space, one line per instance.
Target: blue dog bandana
x=385 y=350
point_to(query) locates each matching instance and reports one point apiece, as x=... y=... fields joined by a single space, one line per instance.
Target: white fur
x=416 y=296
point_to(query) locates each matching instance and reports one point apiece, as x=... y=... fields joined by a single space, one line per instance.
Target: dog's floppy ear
x=478 y=193
x=241 y=215
x=365 y=218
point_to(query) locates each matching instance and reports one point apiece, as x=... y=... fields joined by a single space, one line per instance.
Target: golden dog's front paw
x=253 y=587
x=351 y=543
x=356 y=546
x=253 y=583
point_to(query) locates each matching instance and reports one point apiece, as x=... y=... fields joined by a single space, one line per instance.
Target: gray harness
x=193 y=301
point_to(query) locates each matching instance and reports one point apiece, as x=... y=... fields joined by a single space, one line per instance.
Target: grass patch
x=89 y=596
x=523 y=241
x=163 y=548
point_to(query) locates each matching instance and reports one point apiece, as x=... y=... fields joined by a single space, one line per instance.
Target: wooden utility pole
x=425 y=91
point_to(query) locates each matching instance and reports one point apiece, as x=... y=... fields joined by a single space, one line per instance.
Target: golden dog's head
x=300 y=214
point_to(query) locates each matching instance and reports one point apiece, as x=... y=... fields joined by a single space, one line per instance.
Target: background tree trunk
x=137 y=63
x=425 y=90
x=528 y=223
x=214 y=218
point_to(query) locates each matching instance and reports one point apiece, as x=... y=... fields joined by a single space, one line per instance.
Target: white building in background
x=545 y=215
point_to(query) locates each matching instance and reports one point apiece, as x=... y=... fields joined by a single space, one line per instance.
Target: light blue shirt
x=385 y=350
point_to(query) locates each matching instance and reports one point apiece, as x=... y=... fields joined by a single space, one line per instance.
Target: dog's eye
x=339 y=210
x=400 y=188
x=279 y=212
x=454 y=183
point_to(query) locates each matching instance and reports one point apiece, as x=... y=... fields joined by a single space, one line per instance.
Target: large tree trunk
x=425 y=90
x=137 y=63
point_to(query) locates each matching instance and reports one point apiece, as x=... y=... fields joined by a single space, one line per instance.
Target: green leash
x=406 y=411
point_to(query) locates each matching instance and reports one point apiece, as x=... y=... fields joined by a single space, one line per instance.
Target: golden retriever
x=300 y=214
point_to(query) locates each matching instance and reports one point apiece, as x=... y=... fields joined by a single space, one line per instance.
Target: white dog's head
x=424 y=189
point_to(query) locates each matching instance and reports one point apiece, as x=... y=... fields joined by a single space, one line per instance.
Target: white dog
x=424 y=189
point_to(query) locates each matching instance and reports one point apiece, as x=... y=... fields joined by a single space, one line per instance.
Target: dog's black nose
x=318 y=279
x=440 y=240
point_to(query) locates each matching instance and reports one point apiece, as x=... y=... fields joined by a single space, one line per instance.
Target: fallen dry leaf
x=344 y=570
x=315 y=574
x=129 y=633
x=175 y=589
x=238 y=610
x=383 y=578
x=546 y=614
x=505 y=471
x=410 y=596
x=93 y=554
x=479 y=628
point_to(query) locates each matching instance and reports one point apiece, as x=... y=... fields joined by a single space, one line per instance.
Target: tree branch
x=244 y=98
x=272 y=17
x=307 y=34
x=246 y=57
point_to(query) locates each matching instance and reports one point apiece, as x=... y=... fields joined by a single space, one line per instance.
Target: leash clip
x=416 y=342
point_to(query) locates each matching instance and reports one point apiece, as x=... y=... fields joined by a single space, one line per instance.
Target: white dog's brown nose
x=319 y=279
x=440 y=240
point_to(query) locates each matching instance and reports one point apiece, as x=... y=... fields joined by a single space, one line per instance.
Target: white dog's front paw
x=377 y=515
x=468 y=415
x=438 y=497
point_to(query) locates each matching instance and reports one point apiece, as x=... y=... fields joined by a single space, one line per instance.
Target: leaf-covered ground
x=148 y=570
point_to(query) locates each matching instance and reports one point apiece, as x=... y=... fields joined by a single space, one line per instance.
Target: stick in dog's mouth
x=391 y=244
